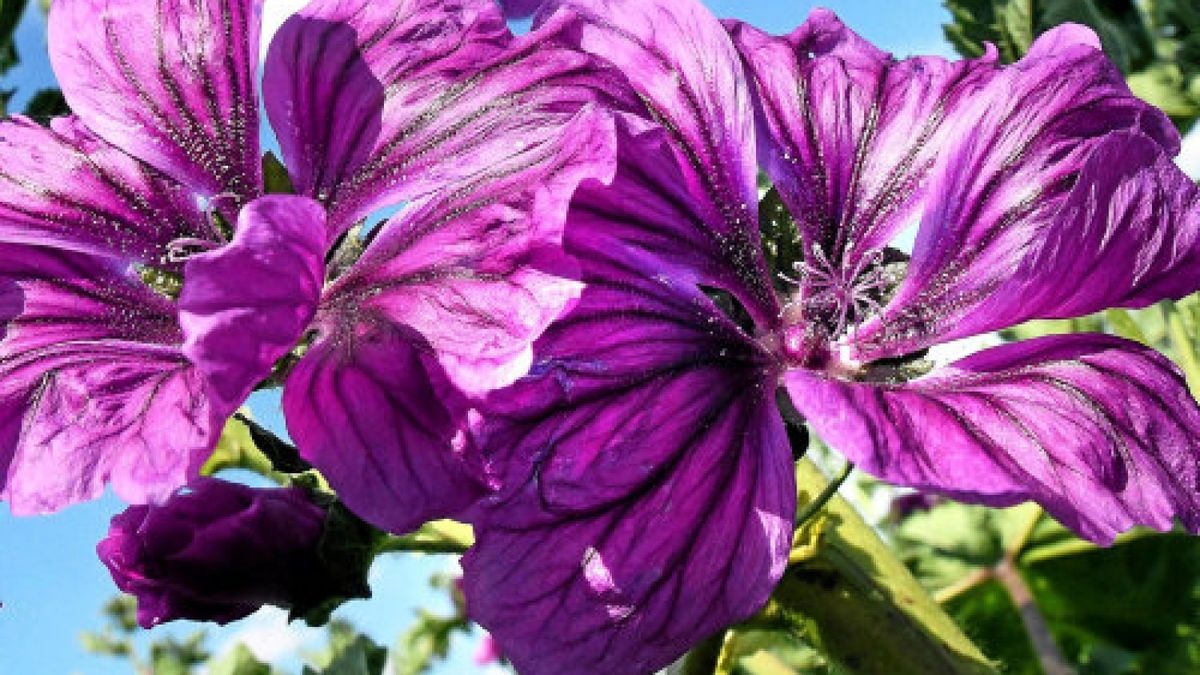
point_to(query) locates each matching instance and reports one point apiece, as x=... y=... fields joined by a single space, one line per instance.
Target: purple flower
x=148 y=285
x=218 y=551
x=648 y=493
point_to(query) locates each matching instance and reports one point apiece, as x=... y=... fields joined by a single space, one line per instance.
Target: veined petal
x=1127 y=234
x=1100 y=431
x=851 y=133
x=170 y=82
x=683 y=67
x=448 y=297
x=1054 y=161
x=378 y=103
x=93 y=387
x=64 y=187
x=375 y=413
x=646 y=487
x=477 y=269
x=245 y=305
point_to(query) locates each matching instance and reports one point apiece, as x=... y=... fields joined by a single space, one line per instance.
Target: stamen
x=183 y=248
x=842 y=295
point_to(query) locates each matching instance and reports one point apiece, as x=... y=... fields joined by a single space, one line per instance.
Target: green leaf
x=989 y=617
x=1135 y=597
x=11 y=12
x=347 y=548
x=1110 y=610
x=1155 y=43
x=427 y=642
x=283 y=456
x=1005 y=23
x=276 y=179
x=780 y=238
x=47 y=104
x=239 y=661
x=360 y=657
x=847 y=594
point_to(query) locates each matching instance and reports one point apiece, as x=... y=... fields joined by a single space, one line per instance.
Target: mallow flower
x=218 y=551
x=648 y=494
x=149 y=285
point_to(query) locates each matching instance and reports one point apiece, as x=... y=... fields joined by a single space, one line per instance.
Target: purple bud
x=218 y=551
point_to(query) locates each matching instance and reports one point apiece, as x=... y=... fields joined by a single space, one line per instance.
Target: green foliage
x=1110 y=610
x=168 y=656
x=347 y=549
x=848 y=596
x=275 y=176
x=1155 y=43
x=780 y=238
x=10 y=16
x=239 y=661
x=428 y=641
x=47 y=104
x=348 y=653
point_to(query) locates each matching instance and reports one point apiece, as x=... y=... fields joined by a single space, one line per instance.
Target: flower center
x=830 y=300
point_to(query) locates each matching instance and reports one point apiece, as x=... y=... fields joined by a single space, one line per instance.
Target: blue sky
x=51 y=584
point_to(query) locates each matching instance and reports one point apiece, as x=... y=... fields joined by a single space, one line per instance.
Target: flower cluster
x=569 y=333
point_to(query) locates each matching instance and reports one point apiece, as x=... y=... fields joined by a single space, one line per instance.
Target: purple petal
x=374 y=412
x=1029 y=198
x=245 y=305
x=377 y=103
x=64 y=187
x=478 y=270
x=519 y=9
x=647 y=487
x=682 y=65
x=172 y=83
x=1127 y=234
x=851 y=132
x=93 y=387
x=1098 y=430
x=468 y=278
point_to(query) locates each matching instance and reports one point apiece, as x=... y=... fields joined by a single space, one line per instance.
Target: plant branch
x=1049 y=655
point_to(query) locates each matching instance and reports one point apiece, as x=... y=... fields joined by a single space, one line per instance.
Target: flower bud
x=217 y=551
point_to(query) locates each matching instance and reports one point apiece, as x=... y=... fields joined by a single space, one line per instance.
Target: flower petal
x=245 y=305
x=93 y=387
x=851 y=132
x=477 y=269
x=647 y=491
x=64 y=187
x=1100 y=431
x=170 y=82
x=1126 y=234
x=683 y=67
x=378 y=103
x=374 y=412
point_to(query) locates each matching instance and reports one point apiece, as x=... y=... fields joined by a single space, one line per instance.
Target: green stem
x=439 y=536
x=849 y=595
x=1181 y=343
x=809 y=510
